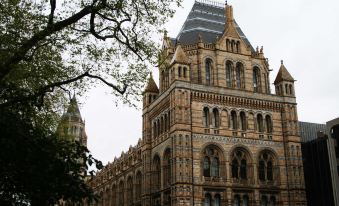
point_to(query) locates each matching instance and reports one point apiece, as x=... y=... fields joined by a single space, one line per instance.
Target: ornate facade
x=213 y=133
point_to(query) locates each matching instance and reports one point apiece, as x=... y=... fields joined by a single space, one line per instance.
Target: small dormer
x=179 y=65
x=284 y=82
x=151 y=92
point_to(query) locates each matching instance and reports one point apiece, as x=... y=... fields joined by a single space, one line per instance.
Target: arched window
x=272 y=201
x=208 y=71
x=179 y=71
x=208 y=200
x=129 y=190
x=286 y=89
x=233 y=120
x=239 y=75
x=269 y=126
x=232 y=45
x=156 y=173
x=216 y=118
x=121 y=193
x=211 y=162
x=245 y=200
x=206 y=117
x=167 y=168
x=229 y=78
x=266 y=161
x=138 y=184
x=260 y=123
x=236 y=201
x=239 y=164
x=185 y=71
x=264 y=201
x=217 y=200
x=243 y=125
x=256 y=79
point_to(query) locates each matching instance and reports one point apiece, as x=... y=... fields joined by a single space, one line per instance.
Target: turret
x=284 y=82
x=179 y=65
x=72 y=126
x=151 y=92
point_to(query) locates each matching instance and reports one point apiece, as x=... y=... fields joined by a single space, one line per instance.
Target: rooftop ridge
x=211 y=3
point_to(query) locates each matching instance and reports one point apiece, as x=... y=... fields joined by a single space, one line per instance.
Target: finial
x=151 y=75
x=199 y=37
x=165 y=34
x=282 y=62
x=226 y=2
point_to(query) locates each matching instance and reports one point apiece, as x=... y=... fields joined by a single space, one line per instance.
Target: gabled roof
x=179 y=56
x=283 y=75
x=209 y=21
x=151 y=85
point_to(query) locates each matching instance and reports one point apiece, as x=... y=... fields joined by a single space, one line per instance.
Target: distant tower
x=72 y=126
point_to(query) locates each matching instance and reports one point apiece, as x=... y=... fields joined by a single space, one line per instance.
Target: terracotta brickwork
x=213 y=134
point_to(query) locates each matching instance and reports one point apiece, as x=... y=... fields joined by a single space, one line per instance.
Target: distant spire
x=283 y=75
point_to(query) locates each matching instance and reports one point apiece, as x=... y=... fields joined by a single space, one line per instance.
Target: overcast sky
x=304 y=33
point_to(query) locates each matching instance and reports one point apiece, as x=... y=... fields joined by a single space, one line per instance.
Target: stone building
x=213 y=133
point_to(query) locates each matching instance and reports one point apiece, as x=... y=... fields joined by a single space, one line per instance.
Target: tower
x=213 y=134
x=72 y=126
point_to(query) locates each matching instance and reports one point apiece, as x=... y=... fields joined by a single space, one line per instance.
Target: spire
x=73 y=111
x=179 y=56
x=151 y=85
x=283 y=74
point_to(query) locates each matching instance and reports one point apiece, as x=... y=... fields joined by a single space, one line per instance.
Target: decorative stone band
x=236 y=140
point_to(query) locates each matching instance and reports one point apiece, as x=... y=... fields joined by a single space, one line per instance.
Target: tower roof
x=208 y=19
x=73 y=111
x=283 y=75
x=151 y=85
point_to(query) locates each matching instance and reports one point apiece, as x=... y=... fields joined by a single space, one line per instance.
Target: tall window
x=208 y=71
x=245 y=200
x=239 y=164
x=156 y=173
x=167 y=167
x=243 y=126
x=233 y=120
x=211 y=162
x=239 y=75
x=269 y=126
x=256 y=79
x=179 y=71
x=266 y=166
x=217 y=200
x=208 y=200
x=264 y=201
x=272 y=201
x=129 y=190
x=206 y=117
x=216 y=118
x=229 y=72
x=260 y=123
x=138 y=184
x=236 y=201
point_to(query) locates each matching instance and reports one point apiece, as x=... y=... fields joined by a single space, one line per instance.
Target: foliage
x=39 y=168
x=53 y=47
